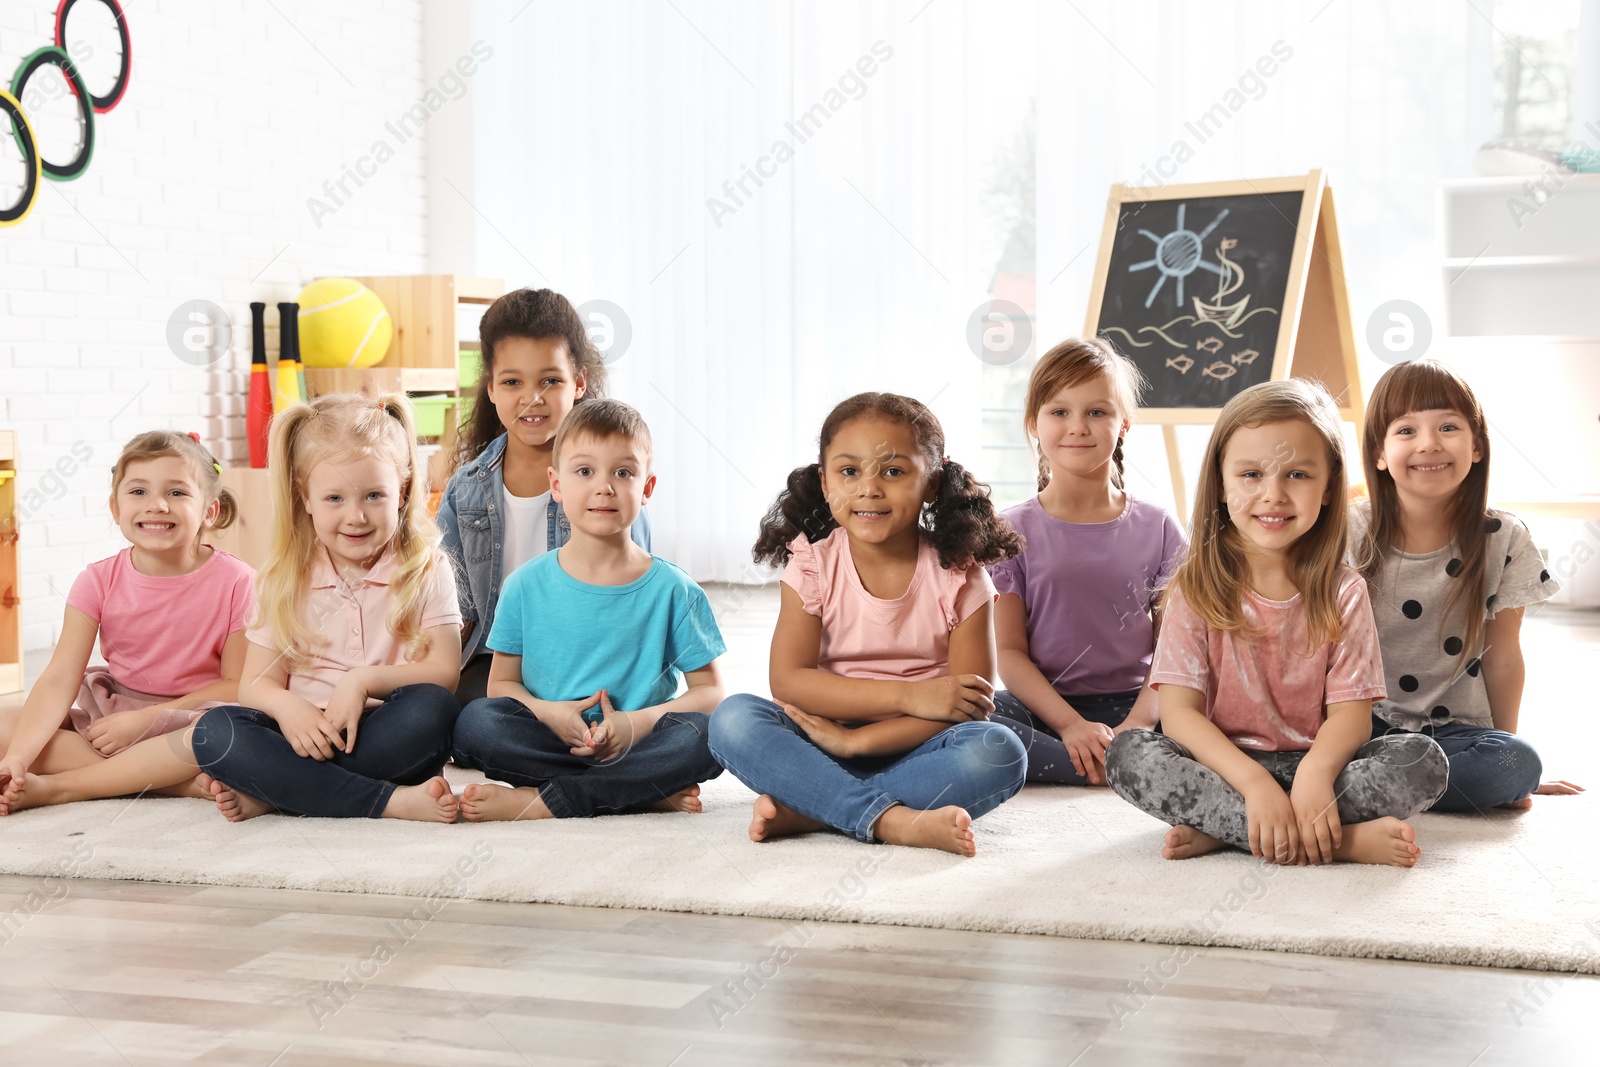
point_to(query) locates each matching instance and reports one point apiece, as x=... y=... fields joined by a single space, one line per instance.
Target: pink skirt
x=103 y=695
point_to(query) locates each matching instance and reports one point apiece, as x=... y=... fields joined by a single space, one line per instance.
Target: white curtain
x=856 y=265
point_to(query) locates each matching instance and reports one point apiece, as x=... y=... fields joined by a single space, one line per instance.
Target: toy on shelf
x=346 y=324
x=289 y=382
x=258 y=411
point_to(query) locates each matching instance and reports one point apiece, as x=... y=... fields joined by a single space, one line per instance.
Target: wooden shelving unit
x=10 y=571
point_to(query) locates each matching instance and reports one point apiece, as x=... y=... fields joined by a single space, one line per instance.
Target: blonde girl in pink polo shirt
x=169 y=612
x=883 y=659
x=1267 y=663
x=347 y=703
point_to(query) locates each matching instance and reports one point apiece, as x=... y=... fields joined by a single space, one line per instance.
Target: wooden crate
x=423 y=307
x=10 y=570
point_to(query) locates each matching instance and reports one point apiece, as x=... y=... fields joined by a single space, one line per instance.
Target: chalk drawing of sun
x=1178 y=255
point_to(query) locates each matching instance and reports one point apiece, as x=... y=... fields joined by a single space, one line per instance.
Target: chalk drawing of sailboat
x=1231 y=278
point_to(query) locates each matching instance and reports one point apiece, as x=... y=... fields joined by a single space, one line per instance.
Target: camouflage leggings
x=1398 y=775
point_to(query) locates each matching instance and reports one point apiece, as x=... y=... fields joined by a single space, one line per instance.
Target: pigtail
x=227 y=510
x=1044 y=466
x=1120 y=479
x=802 y=508
x=284 y=582
x=415 y=537
x=963 y=525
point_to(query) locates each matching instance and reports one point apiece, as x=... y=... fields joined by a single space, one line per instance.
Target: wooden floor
x=123 y=973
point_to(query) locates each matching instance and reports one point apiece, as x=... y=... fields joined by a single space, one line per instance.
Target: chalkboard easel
x=1212 y=288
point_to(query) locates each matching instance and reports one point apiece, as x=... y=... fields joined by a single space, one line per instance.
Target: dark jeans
x=403 y=741
x=474 y=684
x=507 y=742
x=1488 y=767
x=1397 y=775
x=1048 y=760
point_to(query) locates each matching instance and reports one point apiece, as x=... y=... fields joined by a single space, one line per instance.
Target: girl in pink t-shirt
x=884 y=651
x=169 y=612
x=1267 y=664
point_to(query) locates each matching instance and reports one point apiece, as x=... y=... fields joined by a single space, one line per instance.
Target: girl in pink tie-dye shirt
x=1268 y=663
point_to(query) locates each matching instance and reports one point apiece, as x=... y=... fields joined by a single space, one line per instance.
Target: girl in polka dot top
x=1449 y=579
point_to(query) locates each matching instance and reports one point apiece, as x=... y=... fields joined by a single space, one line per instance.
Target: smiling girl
x=1076 y=618
x=1267 y=664
x=1450 y=578
x=169 y=612
x=884 y=648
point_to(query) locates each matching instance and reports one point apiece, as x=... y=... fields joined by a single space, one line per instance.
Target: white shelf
x=1521 y=259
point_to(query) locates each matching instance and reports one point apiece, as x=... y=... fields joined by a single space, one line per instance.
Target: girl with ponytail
x=169 y=612
x=1076 y=619
x=884 y=650
x=358 y=631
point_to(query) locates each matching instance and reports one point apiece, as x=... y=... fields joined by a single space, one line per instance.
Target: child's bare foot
x=1185 y=842
x=234 y=805
x=482 y=802
x=1386 y=840
x=769 y=819
x=1519 y=805
x=432 y=801
x=29 y=791
x=948 y=828
x=683 y=800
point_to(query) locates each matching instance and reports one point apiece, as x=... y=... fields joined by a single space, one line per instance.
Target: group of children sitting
x=1296 y=679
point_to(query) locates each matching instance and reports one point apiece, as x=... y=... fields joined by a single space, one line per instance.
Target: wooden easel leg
x=1180 y=504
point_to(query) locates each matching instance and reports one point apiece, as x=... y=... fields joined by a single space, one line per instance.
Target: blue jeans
x=1048 y=760
x=503 y=739
x=1488 y=767
x=403 y=741
x=974 y=765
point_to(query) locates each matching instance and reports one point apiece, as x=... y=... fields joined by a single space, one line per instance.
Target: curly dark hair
x=961 y=522
x=536 y=314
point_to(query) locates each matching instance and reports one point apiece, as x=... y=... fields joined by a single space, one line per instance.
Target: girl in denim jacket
x=497 y=513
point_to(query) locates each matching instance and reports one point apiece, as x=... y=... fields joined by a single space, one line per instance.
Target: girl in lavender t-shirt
x=1075 y=623
x=1268 y=661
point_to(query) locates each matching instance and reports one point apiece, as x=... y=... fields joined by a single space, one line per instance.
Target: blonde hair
x=1428 y=385
x=334 y=426
x=154 y=444
x=1215 y=575
x=1073 y=361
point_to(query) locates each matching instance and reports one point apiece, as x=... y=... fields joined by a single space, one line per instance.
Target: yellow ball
x=342 y=324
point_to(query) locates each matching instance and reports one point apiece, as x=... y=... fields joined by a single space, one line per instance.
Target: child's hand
x=1316 y=811
x=826 y=734
x=614 y=734
x=1086 y=743
x=565 y=718
x=345 y=705
x=309 y=732
x=110 y=734
x=953 y=698
x=1274 y=834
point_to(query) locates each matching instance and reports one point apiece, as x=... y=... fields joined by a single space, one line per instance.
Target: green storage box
x=469 y=368
x=430 y=413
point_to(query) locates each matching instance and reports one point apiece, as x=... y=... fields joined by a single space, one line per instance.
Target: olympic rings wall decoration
x=34 y=163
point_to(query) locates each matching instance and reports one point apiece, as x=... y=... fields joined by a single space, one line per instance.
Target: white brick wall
x=197 y=190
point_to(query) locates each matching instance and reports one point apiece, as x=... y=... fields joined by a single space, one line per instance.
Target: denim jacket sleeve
x=450 y=530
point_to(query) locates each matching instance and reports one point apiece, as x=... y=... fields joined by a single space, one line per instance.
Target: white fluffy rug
x=1505 y=891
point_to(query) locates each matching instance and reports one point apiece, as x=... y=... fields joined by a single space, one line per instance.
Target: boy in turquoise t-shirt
x=589 y=644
